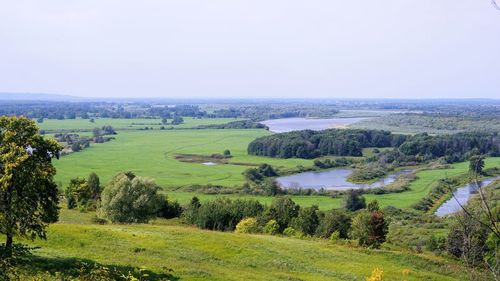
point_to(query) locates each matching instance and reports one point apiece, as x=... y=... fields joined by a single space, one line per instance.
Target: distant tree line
x=243 y=124
x=350 y=142
x=311 y=144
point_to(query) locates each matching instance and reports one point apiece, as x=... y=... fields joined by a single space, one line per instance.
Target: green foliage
x=311 y=144
x=78 y=193
x=332 y=221
x=290 y=232
x=283 y=210
x=28 y=194
x=170 y=209
x=354 y=200
x=307 y=221
x=94 y=185
x=335 y=236
x=271 y=227
x=248 y=225
x=129 y=199
x=224 y=214
x=227 y=153
x=258 y=174
x=369 y=228
x=373 y=206
x=476 y=165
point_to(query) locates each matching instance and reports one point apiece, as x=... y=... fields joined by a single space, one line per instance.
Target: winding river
x=294 y=124
x=333 y=180
x=461 y=196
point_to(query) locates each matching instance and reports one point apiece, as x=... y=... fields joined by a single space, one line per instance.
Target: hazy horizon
x=252 y=49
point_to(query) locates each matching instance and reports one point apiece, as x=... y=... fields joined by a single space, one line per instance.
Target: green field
x=195 y=254
x=418 y=189
x=53 y=125
x=151 y=154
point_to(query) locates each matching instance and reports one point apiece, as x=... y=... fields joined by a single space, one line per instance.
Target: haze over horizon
x=251 y=49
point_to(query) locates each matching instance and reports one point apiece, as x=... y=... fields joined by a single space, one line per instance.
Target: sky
x=254 y=48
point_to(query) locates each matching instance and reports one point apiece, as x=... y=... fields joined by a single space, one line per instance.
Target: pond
x=295 y=124
x=462 y=195
x=333 y=180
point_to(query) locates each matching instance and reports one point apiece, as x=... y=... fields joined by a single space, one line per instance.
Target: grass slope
x=196 y=254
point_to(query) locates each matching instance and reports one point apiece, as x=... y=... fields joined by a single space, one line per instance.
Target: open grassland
x=419 y=188
x=52 y=125
x=152 y=154
x=195 y=254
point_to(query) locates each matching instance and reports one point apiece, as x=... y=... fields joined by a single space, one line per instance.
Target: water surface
x=333 y=180
x=296 y=124
x=460 y=197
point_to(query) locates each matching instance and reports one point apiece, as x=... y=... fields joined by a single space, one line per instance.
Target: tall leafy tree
x=28 y=194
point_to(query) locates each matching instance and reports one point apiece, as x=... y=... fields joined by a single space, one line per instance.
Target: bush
x=248 y=225
x=335 y=236
x=224 y=214
x=283 y=210
x=370 y=229
x=129 y=199
x=170 y=209
x=354 y=200
x=271 y=227
x=290 y=232
x=307 y=221
x=334 y=221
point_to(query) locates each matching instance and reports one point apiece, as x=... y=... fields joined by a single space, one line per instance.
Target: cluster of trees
x=243 y=124
x=284 y=216
x=83 y=193
x=274 y=111
x=408 y=149
x=312 y=144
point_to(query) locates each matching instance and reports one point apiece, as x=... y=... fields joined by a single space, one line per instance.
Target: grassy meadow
x=196 y=254
x=152 y=154
x=54 y=125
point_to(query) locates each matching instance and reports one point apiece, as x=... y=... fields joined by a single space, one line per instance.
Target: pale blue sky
x=254 y=48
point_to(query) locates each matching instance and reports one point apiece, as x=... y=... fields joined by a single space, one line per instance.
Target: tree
x=354 y=200
x=94 y=185
x=78 y=192
x=476 y=165
x=28 y=194
x=334 y=221
x=307 y=221
x=164 y=121
x=129 y=199
x=283 y=210
x=227 y=153
x=369 y=228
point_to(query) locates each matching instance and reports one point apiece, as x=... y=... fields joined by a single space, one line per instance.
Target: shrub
x=354 y=200
x=335 y=236
x=290 y=232
x=370 y=229
x=98 y=220
x=283 y=210
x=307 y=221
x=271 y=227
x=170 y=209
x=129 y=199
x=334 y=221
x=248 y=225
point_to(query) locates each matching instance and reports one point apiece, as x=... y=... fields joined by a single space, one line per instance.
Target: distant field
x=151 y=154
x=196 y=254
x=418 y=189
x=126 y=124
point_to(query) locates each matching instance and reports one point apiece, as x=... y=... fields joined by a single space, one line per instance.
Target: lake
x=462 y=195
x=296 y=124
x=333 y=180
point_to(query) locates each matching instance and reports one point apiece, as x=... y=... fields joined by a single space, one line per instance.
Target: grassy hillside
x=196 y=254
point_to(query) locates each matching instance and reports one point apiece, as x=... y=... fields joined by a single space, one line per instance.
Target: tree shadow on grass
x=89 y=269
